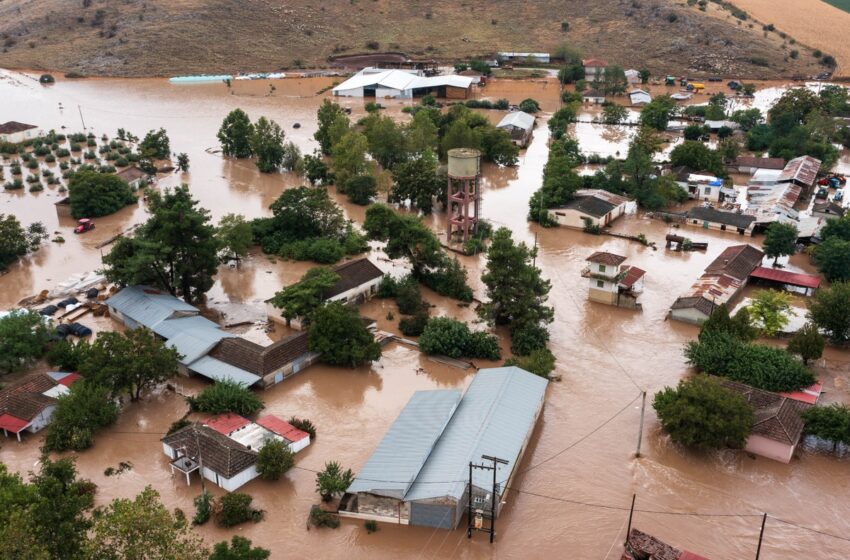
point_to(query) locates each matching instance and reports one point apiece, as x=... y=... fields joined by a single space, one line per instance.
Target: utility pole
x=761 y=535
x=494 y=496
x=640 y=433
x=80 y=109
x=631 y=513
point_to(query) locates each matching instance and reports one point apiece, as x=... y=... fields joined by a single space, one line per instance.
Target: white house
x=611 y=282
x=700 y=186
x=639 y=97
x=28 y=404
x=519 y=125
x=16 y=132
x=403 y=84
x=594 y=96
x=592 y=207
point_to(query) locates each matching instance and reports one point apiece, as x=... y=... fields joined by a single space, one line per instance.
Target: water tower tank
x=464 y=162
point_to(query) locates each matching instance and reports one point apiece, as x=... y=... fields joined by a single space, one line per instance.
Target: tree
x=235 y=134
x=329 y=116
x=142 y=528
x=23 y=340
x=316 y=169
x=539 y=362
x=300 y=300
x=226 y=396
x=832 y=258
x=349 y=157
x=183 y=162
x=807 y=343
x=94 y=194
x=292 y=159
x=644 y=75
x=729 y=148
x=831 y=422
x=235 y=508
x=829 y=310
x=529 y=106
x=361 y=189
x=779 y=240
x=703 y=414
x=515 y=289
x=452 y=338
x=238 y=549
x=770 y=309
x=15 y=241
x=86 y=408
x=129 y=362
x=562 y=118
x=332 y=481
x=267 y=145
x=657 y=113
x=747 y=118
x=406 y=236
x=274 y=459
x=234 y=237
x=739 y=326
x=175 y=250
x=341 y=338
x=416 y=180
x=614 y=80
x=497 y=146
x=698 y=156
x=386 y=140
x=421 y=134
x=614 y=113
x=837 y=228
x=459 y=135
x=155 y=145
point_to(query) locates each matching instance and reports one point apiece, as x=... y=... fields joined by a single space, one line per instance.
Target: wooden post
x=631 y=512
x=640 y=433
x=761 y=536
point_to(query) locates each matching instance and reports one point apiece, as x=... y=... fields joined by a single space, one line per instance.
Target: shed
x=519 y=125
x=28 y=404
x=595 y=96
x=639 y=97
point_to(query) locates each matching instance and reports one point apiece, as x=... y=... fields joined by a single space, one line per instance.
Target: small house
x=594 y=69
x=63 y=207
x=134 y=177
x=715 y=126
x=611 y=282
x=218 y=458
x=708 y=217
x=28 y=404
x=254 y=435
x=590 y=207
x=294 y=438
x=17 y=132
x=266 y=365
x=639 y=97
x=751 y=164
x=778 y=425
x=700 y=185
x=595 y=96
x=519 y=125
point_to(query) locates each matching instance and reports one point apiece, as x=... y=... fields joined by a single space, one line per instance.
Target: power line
x=819 y=532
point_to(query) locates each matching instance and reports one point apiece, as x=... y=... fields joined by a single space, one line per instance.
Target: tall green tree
x=16 y=241
x=300 y=300
x=829 y=310
x=93 y=194
x=175 y=250
x=130 y=362
x=235 y=134
x=267 y=145
x=274 y=459
x=416 y=180
x=421 y=133
x=769 y=310
x=406 y=236
x=338 y=334
x=330 y=116
x=497 y=146
x=614 y=80
x=779 y=240
x=361 y=189
x=239 y=549
x=658 y=112
x=155 y=145
x=234 y=236
x=697 y=156
x=386 y=140
x=86 y=408
x=142 y=528
x=516 y=291
x=701 y=413
x=23 y=340
x=739 y=326
x=349 y=157
x=807 y=343
x=832 y=258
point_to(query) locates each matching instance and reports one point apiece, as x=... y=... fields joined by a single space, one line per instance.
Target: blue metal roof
x=220 y=371
x=494 y=418
x=149 y=306
x=169 y=328
x=195 y=342
x=394 y=464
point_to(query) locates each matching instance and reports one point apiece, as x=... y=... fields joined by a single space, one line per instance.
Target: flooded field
x=580 y=473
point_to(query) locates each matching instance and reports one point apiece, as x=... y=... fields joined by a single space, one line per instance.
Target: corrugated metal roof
x=169 y=328
x=148 y=306
x=407 y=444
x=220 y=371
x=192 y=340
x=494 y=418
x=400 y=80
x=519 y=119
x=786 y=277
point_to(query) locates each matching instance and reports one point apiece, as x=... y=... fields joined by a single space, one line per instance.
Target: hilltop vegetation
x=159 y=37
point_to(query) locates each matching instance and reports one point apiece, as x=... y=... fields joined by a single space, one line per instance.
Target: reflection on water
x=601 y=351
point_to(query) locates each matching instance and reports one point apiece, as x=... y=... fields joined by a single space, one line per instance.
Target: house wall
x=229 y=484
x=297 y=446
x=388 y=509
x=572 y=218
x=288 y=370
x=760 y=445
x=393 y=93
x=594 y=100
x=688 y=315
x=456 y=92
x=42 y=420
x=719 y=227
x=63 y=210
x=17 y=137
x=436 y=515
x=354 y=92
x=366 y=290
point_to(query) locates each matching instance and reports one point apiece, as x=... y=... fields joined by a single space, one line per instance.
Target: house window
x=707 y=190
x=723 y=227
x=601 y=268
x=600 y=284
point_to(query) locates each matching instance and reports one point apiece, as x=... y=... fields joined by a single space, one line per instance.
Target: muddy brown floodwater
x=580 y=472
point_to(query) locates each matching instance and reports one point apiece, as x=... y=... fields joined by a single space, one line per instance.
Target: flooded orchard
x=578 y=478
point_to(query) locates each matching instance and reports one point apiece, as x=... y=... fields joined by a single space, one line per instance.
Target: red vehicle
x=84 y=225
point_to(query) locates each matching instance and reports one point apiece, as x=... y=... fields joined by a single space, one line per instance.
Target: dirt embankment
x=166 y=37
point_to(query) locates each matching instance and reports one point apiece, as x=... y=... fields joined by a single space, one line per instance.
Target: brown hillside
x=166 y=37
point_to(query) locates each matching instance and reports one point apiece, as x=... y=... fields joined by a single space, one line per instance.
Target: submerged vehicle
x=84 y=225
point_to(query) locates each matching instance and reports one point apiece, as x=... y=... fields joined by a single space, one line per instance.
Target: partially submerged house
x=268 y=364
x=226 y=462
x=16 y=132
x=828 y=210
x=590 y=207
x=751 y=164
x=715 y=126
x=403 y=84
x=801 y=171
x=594 y=69
x=519 y=125
x=611 y=282
x=700 y=185
x=632 y=76
x=27 y=405
x=721 y=281
x=642 y=546
x=594 y=96
x=778 y=425
x=639 y=97
x=134 y=177
x=708 y=217
x=419 y=473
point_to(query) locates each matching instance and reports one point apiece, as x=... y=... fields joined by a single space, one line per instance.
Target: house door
x=705 y=225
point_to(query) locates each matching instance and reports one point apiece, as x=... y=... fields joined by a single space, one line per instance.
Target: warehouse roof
x=149 y=306
x=518 y=119
x=803 y=169
x=396 y=462
x=400 y=80
x=218 y=370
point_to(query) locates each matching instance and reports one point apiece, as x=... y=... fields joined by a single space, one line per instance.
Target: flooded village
x=585 y=468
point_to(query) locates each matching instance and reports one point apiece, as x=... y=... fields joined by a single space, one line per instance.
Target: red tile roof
x=785 y=277
x=604 y=257
x=633 y=274
x=226 y=423
x=808 y=395
x=69 y=379
x=282 y=428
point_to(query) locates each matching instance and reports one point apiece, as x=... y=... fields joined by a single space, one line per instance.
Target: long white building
x=402 y=84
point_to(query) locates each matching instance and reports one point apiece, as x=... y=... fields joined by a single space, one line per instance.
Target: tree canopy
x=698 y=157
x=829 y=309
x=23 y=340
x=769 y=311
x=333 y=480
x=339 y=335
x=93 y=194
x=86 y=408
x=16 y=241
x=701 y=413
x=779 y=240
x=267 y=145
x=235 y=134
x=300 y=300
x=416 y=180
x=658 y=112
x=274 y=459
x=807 y=343
x=155 y=145
x=235 y=237
x=226 y=396
x=452 y=338
x=239 y=548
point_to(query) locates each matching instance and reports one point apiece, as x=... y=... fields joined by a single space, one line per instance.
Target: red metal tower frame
x=463 y=196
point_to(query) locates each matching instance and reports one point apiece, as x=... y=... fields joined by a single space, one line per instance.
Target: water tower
x=464 y=199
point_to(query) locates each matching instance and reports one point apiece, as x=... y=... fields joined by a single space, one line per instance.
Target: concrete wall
x=355 y=92
x=759 y=445
x=689 y=315
x=603 y=294
x=438 y=516
x=388 y=509
x=229 y=484
x=456 y=92
x=17 y=137
x=288 y=370
x=572 y=218
x=42 y=420
x=718 y=227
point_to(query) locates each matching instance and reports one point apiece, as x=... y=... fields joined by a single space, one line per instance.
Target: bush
x=415 y=325
x=529 y=106
x=828 y=422
x=408 y=296
x=178 y=425
x=757 y=365
x=304 y=425
x=322 y=518
x=274 y=459
x=539 y=362
x=525 y=339
x=388 y=287
x=226 y=396
x=332 y=481
x=703 y=414
x=453 y=338
x=235 y=508
x=371 y=525
x=66 y=355
x=203 y=508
